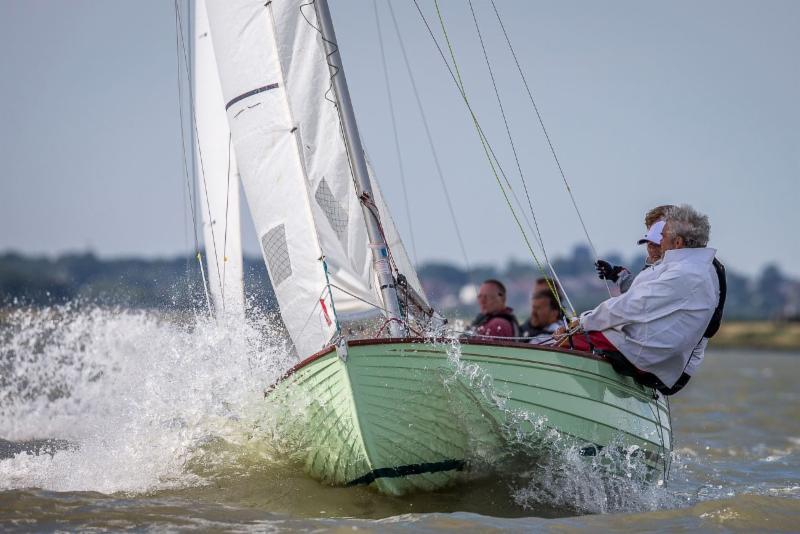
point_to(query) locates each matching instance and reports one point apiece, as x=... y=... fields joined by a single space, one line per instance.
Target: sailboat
x=389 y=399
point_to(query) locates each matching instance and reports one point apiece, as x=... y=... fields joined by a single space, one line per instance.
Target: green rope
x=486 y=150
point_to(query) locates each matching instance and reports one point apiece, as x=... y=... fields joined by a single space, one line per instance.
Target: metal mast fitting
x=355 y=151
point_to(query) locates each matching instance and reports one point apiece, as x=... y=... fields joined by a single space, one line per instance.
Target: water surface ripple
x=118 y=419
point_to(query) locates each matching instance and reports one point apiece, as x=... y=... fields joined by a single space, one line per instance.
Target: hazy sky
x=646 y=102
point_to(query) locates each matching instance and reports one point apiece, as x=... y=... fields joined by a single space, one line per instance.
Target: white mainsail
x=294 y=165
x=217 y=174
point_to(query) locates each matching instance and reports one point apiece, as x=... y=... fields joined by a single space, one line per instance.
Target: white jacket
x=660 y=320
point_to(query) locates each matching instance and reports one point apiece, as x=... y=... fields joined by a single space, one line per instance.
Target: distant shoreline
x=772 y=335
x=757 y=335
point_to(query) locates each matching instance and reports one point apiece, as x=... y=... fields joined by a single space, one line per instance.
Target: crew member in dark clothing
x=495 y=319
x=545 y=318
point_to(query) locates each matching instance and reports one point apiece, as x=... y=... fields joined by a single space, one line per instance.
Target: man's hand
x=561 y=330
x=574 y=325
x=606 y=271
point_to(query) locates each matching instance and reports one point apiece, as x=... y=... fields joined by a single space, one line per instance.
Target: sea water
x=117 y=419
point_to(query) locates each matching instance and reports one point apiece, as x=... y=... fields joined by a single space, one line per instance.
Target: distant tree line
x=176 y=284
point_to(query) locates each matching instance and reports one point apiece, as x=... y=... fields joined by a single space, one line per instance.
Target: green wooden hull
x=410 y=416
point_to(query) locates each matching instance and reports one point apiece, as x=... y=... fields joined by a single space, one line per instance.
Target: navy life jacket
x=716 y=319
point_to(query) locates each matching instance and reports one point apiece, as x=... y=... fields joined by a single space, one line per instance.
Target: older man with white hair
x=650 y=331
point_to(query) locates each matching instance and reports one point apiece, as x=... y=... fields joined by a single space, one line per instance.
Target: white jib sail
x=216 y=173
x=294 y=164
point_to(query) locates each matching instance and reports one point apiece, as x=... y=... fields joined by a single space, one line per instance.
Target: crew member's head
x=685 y=228
x=656 y=214
x=653 y=241
x=492 y=296
x=546 y=284
x=544 y=309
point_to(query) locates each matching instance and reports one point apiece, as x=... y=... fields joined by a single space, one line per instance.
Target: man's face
x=653 y=252
x=542 y=314
x=489 y=299
x=670 y=241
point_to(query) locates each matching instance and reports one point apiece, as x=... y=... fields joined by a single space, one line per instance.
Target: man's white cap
x=653 y=234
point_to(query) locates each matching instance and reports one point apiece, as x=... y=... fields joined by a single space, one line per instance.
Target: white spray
x=134 y=394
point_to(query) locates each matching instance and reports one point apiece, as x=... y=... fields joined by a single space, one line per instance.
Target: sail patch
x=277 y=254
x=334 y=212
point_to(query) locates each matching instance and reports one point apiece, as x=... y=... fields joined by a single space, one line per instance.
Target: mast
x=378 y=246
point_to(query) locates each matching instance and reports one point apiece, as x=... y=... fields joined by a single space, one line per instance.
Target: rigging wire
x=494 y=162
x=178 y=40
x=227 y=205
x=193 y=121
x=671 y=441
x=487 y=148
x=537 y=231
x=185 y=219
x=660 y=432
x=547 y=137
x=394 y=131
x=429 y=137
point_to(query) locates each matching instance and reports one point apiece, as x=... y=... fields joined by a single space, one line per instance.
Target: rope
x=334 y=49
x=404 y=323
x=657 y=413
x=547 y=137
x=484 y=140
x=314 y=309
x=548 y=342
x=225 y=236
x=672 y=441
x=537 y=232
x=394 y=131
x=346 y=292
x=205 y=282
x=429 y=137
x=178 y=40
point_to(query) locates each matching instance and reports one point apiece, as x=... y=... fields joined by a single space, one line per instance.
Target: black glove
x=606 y=271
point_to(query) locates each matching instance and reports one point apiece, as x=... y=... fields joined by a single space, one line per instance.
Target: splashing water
x=551 y=469
x=166 y=410
x=135 y=395
x=146 y=402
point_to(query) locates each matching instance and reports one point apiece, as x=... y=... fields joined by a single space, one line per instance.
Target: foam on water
x=615 y=479
x=134 y=394
x=149 y=403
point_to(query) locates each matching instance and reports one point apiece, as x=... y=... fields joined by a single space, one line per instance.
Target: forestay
x=216 y=173
x=294 y=166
